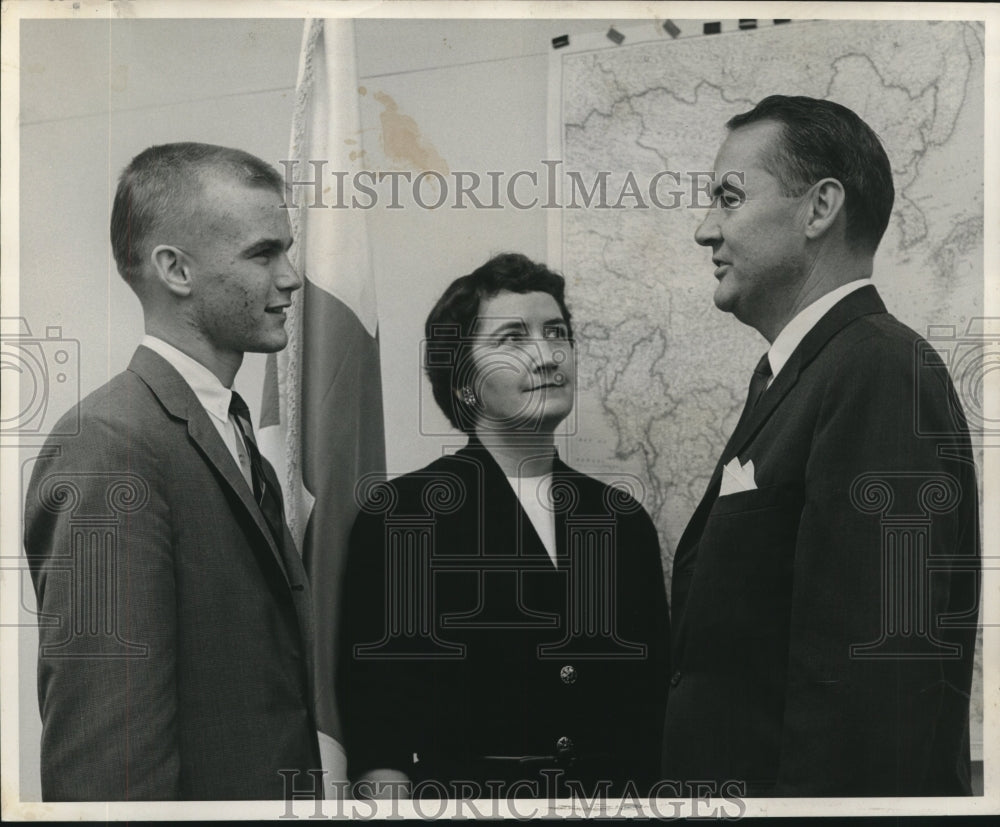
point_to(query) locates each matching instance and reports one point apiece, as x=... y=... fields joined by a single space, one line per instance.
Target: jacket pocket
x=739 y=600
x=785 y=496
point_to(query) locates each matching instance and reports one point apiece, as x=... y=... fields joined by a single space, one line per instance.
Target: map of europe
x=662 y=372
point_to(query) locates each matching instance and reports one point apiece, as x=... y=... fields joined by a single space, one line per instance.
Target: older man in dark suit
x=824 y=592
x=176 y=647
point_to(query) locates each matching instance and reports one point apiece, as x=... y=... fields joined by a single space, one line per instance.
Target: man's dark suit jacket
x=175 y=656
x=453 y=538
x=810 y=661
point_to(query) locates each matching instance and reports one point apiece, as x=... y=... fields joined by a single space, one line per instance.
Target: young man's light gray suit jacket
x=176 y=637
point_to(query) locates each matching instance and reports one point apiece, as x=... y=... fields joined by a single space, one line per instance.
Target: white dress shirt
x=535 y=495
x=804 y=321
x=213 y=396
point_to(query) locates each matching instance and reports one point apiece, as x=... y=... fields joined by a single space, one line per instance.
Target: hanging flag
x=321 y=419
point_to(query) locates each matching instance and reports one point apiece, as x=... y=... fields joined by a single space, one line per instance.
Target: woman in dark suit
x=505 y=630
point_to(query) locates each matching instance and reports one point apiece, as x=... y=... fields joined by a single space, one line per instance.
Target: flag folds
x=321 y=416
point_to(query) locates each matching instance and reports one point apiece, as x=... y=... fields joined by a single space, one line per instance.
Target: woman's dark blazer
x=467 y=656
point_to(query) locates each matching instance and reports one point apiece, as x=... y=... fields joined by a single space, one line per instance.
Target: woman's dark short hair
x=450 y=327
x=822 y=139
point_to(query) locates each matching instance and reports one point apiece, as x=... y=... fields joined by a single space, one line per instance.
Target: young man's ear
x=171 y=268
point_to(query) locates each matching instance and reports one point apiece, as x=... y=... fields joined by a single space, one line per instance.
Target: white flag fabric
x=321 y=421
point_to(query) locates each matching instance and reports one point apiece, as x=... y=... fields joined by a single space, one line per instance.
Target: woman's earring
x=469 y=397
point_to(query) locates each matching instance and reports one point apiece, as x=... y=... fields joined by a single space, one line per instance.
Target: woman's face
x=523 y=366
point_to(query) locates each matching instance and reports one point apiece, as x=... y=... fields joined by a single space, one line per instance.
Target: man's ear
x=170 y=264
x=826 y=203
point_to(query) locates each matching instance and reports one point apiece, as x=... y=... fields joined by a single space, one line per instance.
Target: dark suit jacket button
x=675 y=679
x=568 y=675
x=564 y=746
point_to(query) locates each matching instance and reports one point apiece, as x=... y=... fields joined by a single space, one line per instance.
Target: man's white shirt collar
x=213 y=395
x=804 y=321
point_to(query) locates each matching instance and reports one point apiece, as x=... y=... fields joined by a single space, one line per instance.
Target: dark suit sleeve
x=868 y=713
x=376 y=691
x=98 y=541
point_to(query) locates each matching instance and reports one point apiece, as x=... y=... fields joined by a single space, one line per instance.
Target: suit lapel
x=567 y=479
x=506 y=502
x=205 y=435
x=180 y=402
x=862 y=302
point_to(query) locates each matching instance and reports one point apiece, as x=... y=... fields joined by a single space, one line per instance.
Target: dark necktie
x=758 y=382
x=263 y=492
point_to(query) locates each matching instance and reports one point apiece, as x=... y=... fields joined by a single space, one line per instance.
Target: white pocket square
x=736 y=477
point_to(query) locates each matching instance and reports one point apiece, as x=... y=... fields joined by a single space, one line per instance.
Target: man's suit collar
x=806 y=319
x=208 y=388
x=177 y=398
x=862 y=302
x=163 y=379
